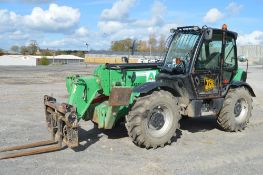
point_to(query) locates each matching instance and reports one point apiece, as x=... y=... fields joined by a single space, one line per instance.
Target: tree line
x=151 y=45
x=34 y=49
x=30 y=49
x=1 y=52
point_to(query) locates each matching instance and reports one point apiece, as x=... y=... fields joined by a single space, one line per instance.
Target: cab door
x=230 y=59
x=206 y=73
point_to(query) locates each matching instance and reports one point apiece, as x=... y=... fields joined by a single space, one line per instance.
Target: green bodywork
x=238 y=76
x=83 y=92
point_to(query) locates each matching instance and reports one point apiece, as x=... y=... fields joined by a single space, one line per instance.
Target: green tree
x=15 y=48
x=24 y=50
x=80 y=54
x=1 y=52
x=121 y=45
x=47 y=52
x=142 y=46
x=43 y=61
x=162 y=42
x=33 y=47
x=152 y=42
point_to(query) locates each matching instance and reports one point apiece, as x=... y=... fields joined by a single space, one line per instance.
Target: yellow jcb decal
x=209 y=84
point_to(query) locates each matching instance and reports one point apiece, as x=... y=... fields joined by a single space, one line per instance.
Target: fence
x=254 y=53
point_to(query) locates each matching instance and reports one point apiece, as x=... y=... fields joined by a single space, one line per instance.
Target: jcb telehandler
x=199 y=77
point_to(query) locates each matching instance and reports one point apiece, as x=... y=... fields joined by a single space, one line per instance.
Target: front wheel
x=153 y=119
x=236 y=110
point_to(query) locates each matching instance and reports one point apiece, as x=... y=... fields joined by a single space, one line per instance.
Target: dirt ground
x=202 y=147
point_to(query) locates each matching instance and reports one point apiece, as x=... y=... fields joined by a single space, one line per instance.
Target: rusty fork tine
x=32 y=152
x=26 y=146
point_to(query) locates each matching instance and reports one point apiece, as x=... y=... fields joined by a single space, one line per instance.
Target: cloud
x=29 y=1
x=109 y=27
x=165 y=29
x=118 y=12
x=116 y=18
x=213 y=15
x=234 y=8
x=41 y=25
x=81 y=32
x=253 y=38
x=157 y=12
x=120 y=28
x=56 y=18
x=66 y=42
x=112 y=29
x=158 y=8
x=8 y=21
x=38 y=1
x=18 y=35
x=58 y=43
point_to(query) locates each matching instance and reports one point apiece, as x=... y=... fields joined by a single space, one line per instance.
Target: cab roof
x=197 y=28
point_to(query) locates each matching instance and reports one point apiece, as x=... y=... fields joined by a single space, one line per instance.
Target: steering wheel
x=227 y=65
x=181 y=67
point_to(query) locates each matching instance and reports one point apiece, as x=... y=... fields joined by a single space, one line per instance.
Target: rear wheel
x=236 y=110
x=153 y=119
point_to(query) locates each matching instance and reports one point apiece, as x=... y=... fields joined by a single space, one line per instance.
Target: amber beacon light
x=224 y=27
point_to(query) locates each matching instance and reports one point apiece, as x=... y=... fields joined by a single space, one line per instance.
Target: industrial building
x=28 y=60
x=62 y=59
x=17 y=60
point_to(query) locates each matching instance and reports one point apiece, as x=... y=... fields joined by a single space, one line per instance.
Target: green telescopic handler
x=198 y=77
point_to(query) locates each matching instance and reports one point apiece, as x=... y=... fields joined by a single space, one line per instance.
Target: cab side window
x=230 y=60
x=210 y=53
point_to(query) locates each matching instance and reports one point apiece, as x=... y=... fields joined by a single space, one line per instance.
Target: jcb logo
x=209 y=84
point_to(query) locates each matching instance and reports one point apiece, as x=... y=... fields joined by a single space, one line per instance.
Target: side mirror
x=242 y=58
x=208 y=34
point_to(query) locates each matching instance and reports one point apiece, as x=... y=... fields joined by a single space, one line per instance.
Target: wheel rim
x=241 y=110
x=159 y=121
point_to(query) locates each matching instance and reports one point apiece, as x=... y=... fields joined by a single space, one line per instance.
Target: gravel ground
x=202 y=147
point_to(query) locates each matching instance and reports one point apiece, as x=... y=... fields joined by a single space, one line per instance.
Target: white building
x=62 y=59
x=17 y=60
x=28 y=60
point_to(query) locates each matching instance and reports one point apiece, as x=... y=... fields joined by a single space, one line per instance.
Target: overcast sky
x=61 y=24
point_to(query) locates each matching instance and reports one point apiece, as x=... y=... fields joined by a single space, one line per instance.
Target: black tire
x=236 y=110
x=153 y=119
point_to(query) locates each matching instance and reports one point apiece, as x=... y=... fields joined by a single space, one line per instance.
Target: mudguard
x=148 y=87
x=235 y=84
